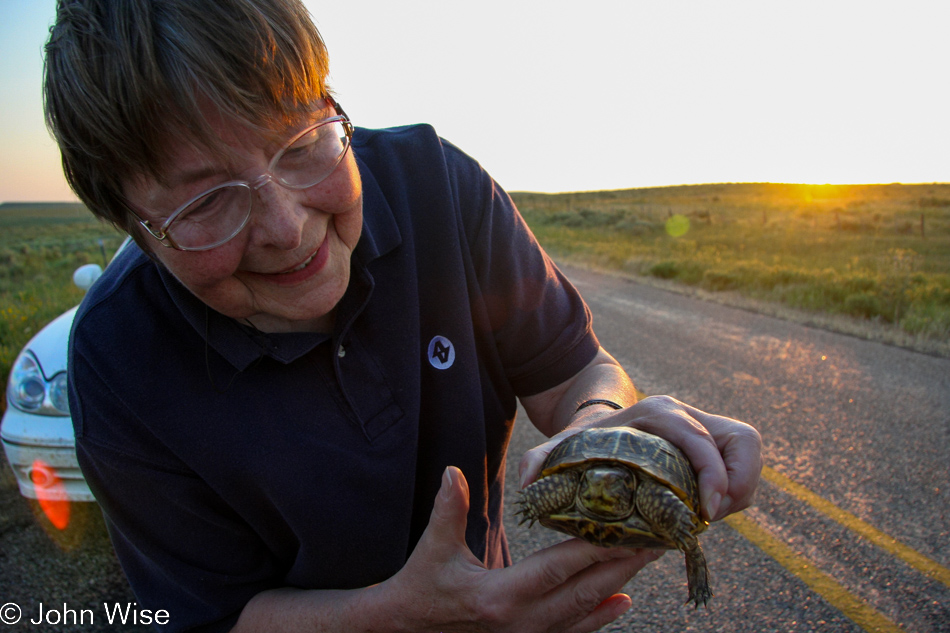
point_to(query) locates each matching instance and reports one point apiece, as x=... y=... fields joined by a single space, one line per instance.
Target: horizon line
x=569 y=191
x=748 y=182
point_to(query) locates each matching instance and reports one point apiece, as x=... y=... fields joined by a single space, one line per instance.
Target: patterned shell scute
x=637 y=449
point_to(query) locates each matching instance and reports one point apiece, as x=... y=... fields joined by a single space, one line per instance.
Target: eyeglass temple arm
x=337 y=107
x=341 y=112
x=158 y=234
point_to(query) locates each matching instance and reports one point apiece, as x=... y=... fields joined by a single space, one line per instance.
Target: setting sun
x=618 y=95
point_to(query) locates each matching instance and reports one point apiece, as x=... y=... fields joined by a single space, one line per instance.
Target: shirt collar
x=380 y=231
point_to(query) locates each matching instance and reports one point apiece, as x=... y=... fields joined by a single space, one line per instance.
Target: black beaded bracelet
x=589 y=403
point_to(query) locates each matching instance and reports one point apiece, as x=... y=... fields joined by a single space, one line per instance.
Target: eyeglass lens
x=220 y=213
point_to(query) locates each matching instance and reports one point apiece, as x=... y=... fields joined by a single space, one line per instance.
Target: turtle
x=622 y=487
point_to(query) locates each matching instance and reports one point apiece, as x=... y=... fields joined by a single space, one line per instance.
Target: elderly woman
x=293 y=394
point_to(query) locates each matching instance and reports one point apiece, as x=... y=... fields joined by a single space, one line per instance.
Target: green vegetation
x=876 y=253
x=40 y=247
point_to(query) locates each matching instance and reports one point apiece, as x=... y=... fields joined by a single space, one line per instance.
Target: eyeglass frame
x=161 y=233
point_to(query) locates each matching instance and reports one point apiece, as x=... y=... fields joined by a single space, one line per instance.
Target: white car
x=36 y=431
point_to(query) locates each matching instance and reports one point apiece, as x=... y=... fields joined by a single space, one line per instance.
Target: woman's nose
x=278 y=217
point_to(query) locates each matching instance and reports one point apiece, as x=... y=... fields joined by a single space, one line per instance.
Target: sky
x=556 y=96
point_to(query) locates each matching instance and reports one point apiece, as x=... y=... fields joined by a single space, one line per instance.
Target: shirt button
x=341 y=352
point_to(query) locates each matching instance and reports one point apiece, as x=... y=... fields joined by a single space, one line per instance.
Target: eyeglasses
x=215 y=216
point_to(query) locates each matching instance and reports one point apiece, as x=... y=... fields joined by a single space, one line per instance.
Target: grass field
x=877 y=254
x=874 y=254
x=40 y=247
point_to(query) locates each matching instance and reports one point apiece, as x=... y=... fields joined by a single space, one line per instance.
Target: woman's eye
x=322 y=143
x=303 y=149
x=206 y=207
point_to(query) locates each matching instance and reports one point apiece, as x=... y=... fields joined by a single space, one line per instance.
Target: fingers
x=530 y=466
x=574 y=561
x=599 y=585
x=740 y=449
x=742 y=455
x=551 y=567
x=570 y=587
x=725 y=453
x=444 y=537
x=681 y=425
x=451 y=505
x=605 y=613
x=579 y=582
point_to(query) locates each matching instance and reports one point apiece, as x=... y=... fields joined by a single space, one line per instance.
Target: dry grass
x=871 y=260
x=40 y=247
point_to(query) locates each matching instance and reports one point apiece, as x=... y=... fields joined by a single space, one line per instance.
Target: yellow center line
x=859 y=612
x=915 y=559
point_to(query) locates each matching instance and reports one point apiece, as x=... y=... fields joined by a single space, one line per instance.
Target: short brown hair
x=123 y=75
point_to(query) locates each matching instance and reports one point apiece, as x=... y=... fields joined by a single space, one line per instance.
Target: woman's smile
x=310 y=266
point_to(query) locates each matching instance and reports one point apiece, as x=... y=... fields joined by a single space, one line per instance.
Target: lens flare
x=677 y=225
x=51 y=494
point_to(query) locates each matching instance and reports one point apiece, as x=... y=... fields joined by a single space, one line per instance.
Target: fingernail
x=712 y=506
x=447 y=483
x=522 y=472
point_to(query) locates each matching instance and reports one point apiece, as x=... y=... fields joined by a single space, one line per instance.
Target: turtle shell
x=643 y=452
x=637 y=449
x=621 y=487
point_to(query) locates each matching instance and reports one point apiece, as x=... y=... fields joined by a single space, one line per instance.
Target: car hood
x=49 y=345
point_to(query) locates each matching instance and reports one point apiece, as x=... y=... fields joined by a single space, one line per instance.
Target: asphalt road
x=862 y=428
x=849 y=531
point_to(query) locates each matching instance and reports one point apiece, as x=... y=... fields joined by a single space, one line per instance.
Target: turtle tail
x=546 y=496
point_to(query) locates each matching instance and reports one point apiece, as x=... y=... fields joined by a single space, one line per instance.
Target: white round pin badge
x=441 y=352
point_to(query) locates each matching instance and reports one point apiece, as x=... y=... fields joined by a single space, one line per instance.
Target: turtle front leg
x=554 y=493
x=673 y=519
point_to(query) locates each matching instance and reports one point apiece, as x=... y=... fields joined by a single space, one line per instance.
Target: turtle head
x=607 y=492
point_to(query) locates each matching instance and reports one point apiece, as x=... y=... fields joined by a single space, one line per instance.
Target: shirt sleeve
x=542 y=327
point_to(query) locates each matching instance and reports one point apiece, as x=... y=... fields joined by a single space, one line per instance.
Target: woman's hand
x=571 y=587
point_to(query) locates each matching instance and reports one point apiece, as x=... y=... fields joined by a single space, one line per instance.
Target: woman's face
x=290 y=265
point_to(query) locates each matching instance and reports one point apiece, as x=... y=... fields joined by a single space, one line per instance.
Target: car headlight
x=30 y=391
x=57 y=393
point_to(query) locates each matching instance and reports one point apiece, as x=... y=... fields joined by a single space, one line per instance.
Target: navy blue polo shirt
x=228 y=461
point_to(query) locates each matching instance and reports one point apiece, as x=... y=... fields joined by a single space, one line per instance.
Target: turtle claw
x=701 y=596
x=526 y=516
